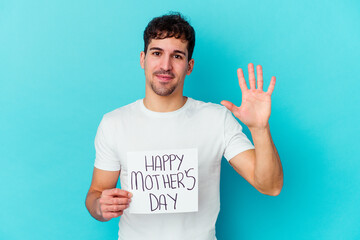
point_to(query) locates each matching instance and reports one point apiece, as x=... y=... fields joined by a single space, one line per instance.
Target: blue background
x=63 y=64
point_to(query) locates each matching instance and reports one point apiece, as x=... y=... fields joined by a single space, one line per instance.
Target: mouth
x=164 y=77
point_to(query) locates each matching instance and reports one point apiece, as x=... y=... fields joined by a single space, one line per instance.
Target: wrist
x=260 y=130
x=98 y=208
x=98 y=211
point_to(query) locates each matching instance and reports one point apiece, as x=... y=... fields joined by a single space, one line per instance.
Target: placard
x=164 y=181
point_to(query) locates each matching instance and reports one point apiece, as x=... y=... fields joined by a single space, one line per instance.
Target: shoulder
x=120 y=113
x=208 y=107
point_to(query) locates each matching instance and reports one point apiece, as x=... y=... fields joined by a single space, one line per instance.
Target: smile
x=164 y=77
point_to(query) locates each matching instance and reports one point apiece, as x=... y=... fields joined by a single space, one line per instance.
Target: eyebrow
x=181 y=52
x=160 y=49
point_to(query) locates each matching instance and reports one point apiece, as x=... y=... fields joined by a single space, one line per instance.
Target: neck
x=169 y=103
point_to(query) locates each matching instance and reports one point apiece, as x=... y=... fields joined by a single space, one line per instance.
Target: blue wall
x=63 y=64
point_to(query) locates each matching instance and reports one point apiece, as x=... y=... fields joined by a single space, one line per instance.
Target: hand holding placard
x=113 y=202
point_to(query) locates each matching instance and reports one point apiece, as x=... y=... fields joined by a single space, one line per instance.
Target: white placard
x=164 y=181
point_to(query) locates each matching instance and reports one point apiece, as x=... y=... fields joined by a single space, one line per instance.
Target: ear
x=142 y=59
x=190 y=66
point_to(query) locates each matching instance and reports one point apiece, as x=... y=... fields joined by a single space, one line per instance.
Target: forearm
x=268 y=173
x=93 y=206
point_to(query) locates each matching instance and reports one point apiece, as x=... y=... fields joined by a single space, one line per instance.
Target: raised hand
x=255 y=107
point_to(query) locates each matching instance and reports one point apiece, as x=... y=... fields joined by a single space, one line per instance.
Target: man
x=165 y=119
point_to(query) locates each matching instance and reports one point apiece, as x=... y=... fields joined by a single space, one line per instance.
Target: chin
x=162 y=91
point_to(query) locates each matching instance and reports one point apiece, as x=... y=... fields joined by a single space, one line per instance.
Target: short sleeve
x=106 y=159
x=235 y=140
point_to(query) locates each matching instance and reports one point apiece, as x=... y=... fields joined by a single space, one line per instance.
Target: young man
x=165 y=119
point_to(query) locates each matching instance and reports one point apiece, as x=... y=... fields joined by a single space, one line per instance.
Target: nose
x=166 y=63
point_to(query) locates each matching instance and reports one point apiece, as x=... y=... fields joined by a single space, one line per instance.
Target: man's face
x=166 y=65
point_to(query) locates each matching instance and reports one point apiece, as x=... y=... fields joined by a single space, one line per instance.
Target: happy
x=163 y=162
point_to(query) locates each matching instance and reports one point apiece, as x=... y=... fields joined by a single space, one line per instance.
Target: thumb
x=229 y=105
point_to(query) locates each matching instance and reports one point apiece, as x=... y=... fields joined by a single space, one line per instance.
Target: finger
x=229 y=105
x=110 y=215
x=272 y=85
x=113 y=208
x=260 y=81
x=113 y=200
x=251 y=76
x=116 y=192
x=242 y=81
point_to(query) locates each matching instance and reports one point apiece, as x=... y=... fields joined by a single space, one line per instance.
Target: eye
x=178 y=56
x=156 y=53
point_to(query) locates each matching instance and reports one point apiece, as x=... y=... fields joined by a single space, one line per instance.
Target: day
x=162 y=200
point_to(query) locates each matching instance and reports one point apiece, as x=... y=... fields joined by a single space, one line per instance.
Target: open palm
x=255 y=107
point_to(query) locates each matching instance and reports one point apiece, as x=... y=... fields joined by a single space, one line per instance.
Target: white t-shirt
x=208 y=127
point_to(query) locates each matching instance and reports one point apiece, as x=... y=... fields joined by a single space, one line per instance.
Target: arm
x=260 y=167
x=104 y=201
